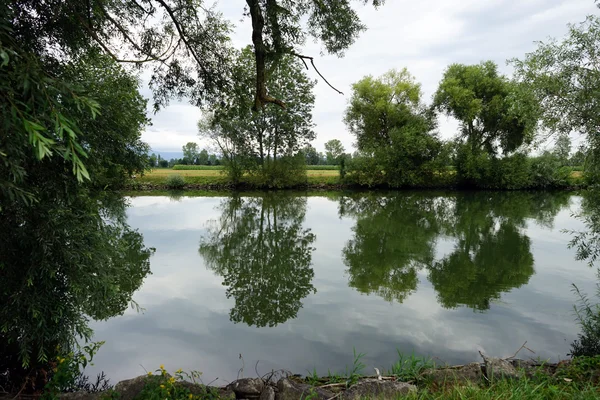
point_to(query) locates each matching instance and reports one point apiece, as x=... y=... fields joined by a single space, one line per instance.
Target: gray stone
x=291 y=390
x=198 y=389
x=498 y=368
x=470 y=373
x=374 y=388
x=80 y=396
x=130 y=388
x=247 y=387
x=268 y=393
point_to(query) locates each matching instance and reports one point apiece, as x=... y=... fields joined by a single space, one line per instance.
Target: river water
x=298 y=282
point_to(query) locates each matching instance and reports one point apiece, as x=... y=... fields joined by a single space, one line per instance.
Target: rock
x=80 y=396
x=130 y=388
x=198 y=389
x=498 y=368
x=373 y=388
x=247 y=387
x=290 y=390
x=268 y=393
x=470 y=373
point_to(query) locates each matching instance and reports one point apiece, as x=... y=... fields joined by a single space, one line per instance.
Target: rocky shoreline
x=281 y=385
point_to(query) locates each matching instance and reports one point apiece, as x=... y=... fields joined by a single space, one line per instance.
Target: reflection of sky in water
x=186 y=319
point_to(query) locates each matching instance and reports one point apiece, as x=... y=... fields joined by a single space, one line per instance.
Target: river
x=297 y=282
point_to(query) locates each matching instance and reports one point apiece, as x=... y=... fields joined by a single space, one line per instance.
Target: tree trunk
x=260 y=53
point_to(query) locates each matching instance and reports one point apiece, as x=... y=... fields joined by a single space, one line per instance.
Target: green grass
x=575 y=379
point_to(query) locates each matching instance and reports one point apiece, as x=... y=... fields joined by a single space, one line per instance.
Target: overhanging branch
x=312 y=62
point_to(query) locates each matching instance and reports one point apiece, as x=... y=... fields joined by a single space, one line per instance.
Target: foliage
x=284 y=172
x=491 y=253
x=182 y=385
x=255 y=142
x=334 y=150
x=191 y=152
x=175 y=181
x=588 y=317
x=587 y=242
x=385 y=258
x=410 y=368
x=68 y=369
x=83 y=261
x=547 y=171
x=264 y=255
x=393 y=133
x=562 y=148
x=311 y=154
x=566 y=84
x=280 y=28
x=352 y=375
x=494 y=113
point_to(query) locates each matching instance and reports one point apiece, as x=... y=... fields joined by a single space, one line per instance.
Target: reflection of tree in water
x=83 y=261
x=395 y=236
x=264 y=255
x=587 y=242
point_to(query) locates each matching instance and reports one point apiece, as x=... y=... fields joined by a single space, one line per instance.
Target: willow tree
x=564 y=75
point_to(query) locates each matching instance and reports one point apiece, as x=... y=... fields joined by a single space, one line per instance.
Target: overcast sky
x=424 y=36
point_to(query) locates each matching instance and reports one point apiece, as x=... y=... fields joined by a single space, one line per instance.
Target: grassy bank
x=214 y=178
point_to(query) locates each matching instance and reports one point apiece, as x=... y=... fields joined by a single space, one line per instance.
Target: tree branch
x=312 y=62
x=258 y=22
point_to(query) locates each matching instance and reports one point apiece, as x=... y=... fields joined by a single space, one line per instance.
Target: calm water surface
x=297 y=282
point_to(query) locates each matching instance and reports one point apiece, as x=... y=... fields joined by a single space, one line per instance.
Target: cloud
x=424 y=36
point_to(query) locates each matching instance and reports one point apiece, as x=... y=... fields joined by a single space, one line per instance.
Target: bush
x=175 y=181
x=588 y=316
x=547 y=172
x=180 y=167
x=285 y=172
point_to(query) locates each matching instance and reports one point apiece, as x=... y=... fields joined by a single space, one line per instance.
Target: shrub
x=547 y=173
x=285 y=172
x=588 y=316
x=175 y=181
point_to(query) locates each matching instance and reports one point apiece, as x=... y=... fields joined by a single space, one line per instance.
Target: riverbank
x=216 y=180
x=411 y=378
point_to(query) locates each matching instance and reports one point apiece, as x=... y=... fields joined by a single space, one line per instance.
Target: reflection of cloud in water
x=186 y=322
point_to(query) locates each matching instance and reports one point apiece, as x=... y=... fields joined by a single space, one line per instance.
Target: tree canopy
x=565 y=79
x=494 y=112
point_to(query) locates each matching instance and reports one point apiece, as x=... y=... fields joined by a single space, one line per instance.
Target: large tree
x=274 y=133
x=334 y=150
x=68 y=256
x=494 y=112
x=191 y=151
x=565 y=78
x=278 y=29
x=394 y=131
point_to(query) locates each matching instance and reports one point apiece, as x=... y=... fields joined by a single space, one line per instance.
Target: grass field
x=217 y=177
x=164 y=172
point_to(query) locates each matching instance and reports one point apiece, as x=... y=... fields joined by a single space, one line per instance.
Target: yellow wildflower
x=162 y=386
x=171 y=380
x=62 y=360
x=150 y=373
x=162 y=366
x=190 y=396
x=179 y=371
